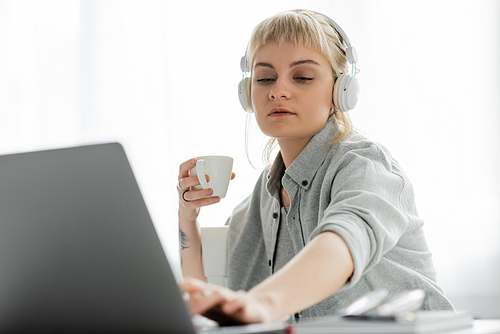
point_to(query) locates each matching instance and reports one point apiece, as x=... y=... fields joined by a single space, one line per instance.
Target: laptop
x=78 y=249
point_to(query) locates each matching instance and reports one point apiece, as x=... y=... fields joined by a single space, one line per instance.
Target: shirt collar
x=307 y=163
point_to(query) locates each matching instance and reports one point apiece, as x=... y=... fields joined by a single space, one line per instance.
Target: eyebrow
x=305 y=61
x=295 y=63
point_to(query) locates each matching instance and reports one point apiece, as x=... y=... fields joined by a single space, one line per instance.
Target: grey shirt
x=284 y=246
x=353 y=188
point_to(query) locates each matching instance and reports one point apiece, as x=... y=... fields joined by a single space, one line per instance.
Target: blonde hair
x=309 y=29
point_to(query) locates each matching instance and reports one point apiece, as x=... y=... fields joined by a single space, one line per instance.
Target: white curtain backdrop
x=160 y=77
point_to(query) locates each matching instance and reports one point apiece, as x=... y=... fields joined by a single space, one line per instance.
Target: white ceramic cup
x=218 y=168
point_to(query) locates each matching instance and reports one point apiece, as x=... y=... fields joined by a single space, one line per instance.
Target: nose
x=279 y=91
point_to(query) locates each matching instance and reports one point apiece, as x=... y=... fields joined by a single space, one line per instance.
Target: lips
x=280 y=112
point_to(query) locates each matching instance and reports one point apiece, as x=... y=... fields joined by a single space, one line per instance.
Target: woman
x=333 y=218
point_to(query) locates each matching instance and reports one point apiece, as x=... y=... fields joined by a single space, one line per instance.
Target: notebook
x=78 y=249
x=423 y=322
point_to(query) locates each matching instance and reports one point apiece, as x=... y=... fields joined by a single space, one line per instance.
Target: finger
x=191 y=284
x=203 y=296
x=185 y=167
x=194 y=195
x=191 y=181
x=201 y=303
x=235 y=304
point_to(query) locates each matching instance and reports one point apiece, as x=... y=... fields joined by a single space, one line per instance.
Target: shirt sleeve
x=371 y=205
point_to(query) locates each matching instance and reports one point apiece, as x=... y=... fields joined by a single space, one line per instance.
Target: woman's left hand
x=225 y=306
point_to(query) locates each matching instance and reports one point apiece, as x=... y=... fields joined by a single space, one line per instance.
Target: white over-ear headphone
x=345 y=89
x=244 y=86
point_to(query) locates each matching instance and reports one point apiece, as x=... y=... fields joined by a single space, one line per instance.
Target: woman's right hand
x=190 y=199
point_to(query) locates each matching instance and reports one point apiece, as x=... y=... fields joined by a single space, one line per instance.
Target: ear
x=332 y=109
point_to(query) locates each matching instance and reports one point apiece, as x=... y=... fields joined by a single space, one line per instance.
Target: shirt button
x=269 y=263
x=275 y=215
x=305 y=183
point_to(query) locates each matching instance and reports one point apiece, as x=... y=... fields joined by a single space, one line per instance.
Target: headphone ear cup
x=346 y=92
x=244 y=94
x=337 y=91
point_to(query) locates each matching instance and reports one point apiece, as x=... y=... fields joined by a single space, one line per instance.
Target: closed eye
x=303 y=79
x=265 y=80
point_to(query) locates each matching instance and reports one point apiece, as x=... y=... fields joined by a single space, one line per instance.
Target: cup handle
x=201 y=174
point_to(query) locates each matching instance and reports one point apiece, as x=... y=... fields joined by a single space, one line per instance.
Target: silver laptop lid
x=78 y=249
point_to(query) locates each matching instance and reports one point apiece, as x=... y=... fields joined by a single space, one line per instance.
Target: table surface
x=483 y=326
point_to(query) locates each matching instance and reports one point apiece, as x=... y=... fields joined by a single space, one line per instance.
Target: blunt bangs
x=299 y=29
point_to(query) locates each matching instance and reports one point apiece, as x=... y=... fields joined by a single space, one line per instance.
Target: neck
x=291 y=148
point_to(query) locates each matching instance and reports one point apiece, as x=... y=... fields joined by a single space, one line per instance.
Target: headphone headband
x=351 y=54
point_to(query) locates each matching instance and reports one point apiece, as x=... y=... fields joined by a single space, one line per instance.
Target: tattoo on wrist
x=183 y=239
